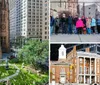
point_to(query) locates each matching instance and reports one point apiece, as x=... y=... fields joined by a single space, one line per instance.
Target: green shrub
x=14 y=60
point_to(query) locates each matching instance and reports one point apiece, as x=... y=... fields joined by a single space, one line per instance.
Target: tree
x=33 y=52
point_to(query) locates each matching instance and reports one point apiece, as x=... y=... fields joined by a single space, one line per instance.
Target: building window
x=62 y=70
x=89 y=8
x=80 y=70
x=97 y=61
x=80 y=60
x=45 y=37
x=97 y=78
x=53 y=70
x=70 y=77
x=98 y=69
x=80 y=79
x=62 y=53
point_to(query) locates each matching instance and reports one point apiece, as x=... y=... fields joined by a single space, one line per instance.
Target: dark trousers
x=56 y=29
x=64 y=28
x=70 y=28
x=93 y=29
x=79 y=30
x=98 y=28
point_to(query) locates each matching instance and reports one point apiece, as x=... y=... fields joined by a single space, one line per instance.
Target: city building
x=64 y=5
x=4 y=25
x=76 y=67
x=73 y=7
x=89 y=10
x=31 y=19
x=12 y=19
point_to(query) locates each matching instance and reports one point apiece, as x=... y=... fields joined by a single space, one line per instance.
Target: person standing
x=98 y=25
x=70 y=24
x=57 y=23
x=93 y=25
x=84 y=22
x=88 y=25
x=63 y=23
x=79 y=26
x=52 y=21
x=75 y=19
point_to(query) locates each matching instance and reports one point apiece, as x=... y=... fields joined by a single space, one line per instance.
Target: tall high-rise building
x=12 y=18
x=4 y=25
x=30 y=19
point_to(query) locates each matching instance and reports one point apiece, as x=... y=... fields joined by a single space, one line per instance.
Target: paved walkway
x=75 y=38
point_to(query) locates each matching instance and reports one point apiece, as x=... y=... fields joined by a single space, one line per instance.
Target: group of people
x=74 y=25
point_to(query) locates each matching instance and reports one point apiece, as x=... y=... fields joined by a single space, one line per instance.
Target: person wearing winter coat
x=98 y=25
x=84 y=22
x=88 y=25
x=57 y=23
x=75 y=19
x=63 y=23
x=93 y=25
x=52 y=21
x=70 y=24
x=79 y=26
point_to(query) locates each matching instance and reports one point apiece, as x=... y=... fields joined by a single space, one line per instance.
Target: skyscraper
x=4 y=25
x=12 y=18
x=31 y=19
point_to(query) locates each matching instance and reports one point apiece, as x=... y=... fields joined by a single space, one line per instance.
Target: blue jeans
x=70 y=28
x=89 y=30
x=75 y=30
x=51 y=30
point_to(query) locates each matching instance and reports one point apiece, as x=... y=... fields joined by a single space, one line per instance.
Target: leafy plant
x=34 y=52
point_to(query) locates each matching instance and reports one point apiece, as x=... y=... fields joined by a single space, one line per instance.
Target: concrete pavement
x=75 y=38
